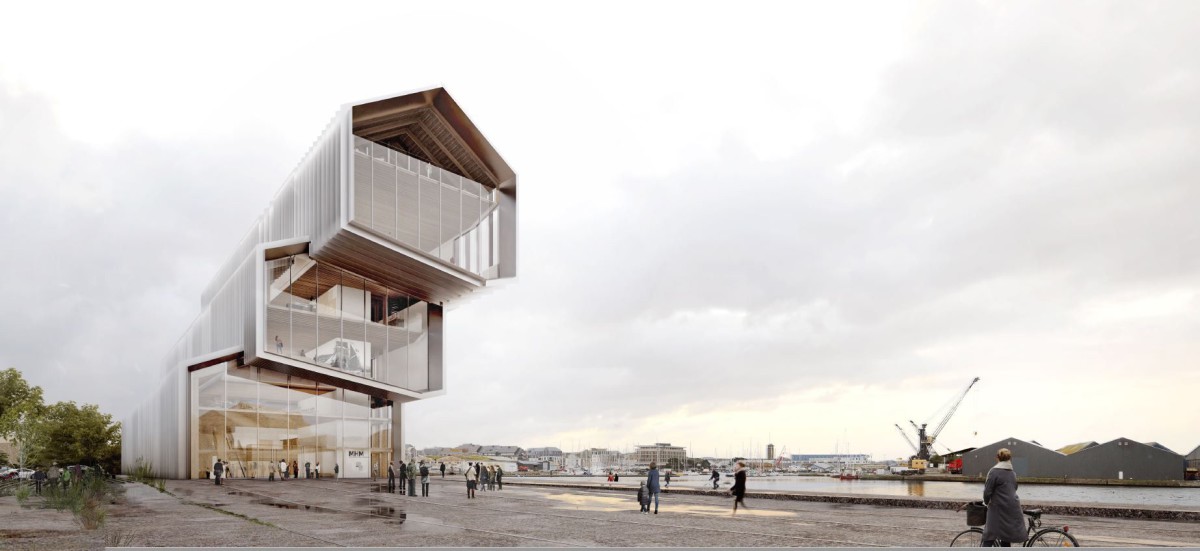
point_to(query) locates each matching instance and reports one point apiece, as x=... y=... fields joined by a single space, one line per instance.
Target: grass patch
x=118 y=538
x=85 y=499
x=22 y=492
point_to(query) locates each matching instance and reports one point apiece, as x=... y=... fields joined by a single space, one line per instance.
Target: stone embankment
x=1074 y=509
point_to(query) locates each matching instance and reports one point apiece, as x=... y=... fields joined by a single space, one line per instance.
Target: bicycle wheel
x=971 y=537
x=1052 y=537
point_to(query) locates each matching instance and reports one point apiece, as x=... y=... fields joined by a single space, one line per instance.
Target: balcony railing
x=439 y=213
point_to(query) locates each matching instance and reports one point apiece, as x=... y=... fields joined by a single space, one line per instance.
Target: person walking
x=424 y=480
x=283 y=470
x=644 y=499
x=442 y=467
x=38 y=476
x=668 y=479
x=499 y=478
x=391 y=479
x=1005 y=523
x=295 y=469
x=52 y=474
x=715 y=478
x=738 y=491
x=471 y=478
x=652 y=484
x=218 y=470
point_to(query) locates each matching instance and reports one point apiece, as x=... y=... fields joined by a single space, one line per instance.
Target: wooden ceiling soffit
x=398 y=270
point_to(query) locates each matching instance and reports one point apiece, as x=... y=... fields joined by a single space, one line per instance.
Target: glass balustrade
x=435 y=211
x=323 y=315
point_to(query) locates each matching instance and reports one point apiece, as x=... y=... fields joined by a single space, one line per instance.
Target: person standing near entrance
x=391 y=479
x=499 y=478
x=317 y=470
x=295 y=469
x=412 y=477
x=307 y=470
x=1005 y=523
x=336 y=471
x=402 y=472
x=218 y=470
x=283 y=470
x=738 y=491
x=652 y=484
x=424 y=480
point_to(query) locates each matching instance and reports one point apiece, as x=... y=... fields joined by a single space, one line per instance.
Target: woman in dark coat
x=738 y=491
x=1005 y=520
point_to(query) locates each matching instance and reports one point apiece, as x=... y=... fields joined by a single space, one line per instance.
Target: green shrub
x=22 y=492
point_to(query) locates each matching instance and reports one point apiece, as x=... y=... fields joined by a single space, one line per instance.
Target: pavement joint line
x=247 y=518
x=406 y=499
x=444 y=525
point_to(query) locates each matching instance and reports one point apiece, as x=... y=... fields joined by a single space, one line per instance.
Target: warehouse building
x=1120 y=459
x=1029 y=459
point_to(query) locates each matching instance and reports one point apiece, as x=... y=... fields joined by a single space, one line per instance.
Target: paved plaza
x=332 y=513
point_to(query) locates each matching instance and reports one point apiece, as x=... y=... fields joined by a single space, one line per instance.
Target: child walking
x=644 y=498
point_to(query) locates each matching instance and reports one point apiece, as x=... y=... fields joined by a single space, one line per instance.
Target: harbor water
x=1174 y=498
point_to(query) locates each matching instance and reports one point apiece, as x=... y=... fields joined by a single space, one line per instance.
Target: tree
x=17 y=398
x=20 y=408
x=72 y=434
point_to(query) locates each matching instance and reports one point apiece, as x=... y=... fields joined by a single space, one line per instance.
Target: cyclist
x=1005 y=523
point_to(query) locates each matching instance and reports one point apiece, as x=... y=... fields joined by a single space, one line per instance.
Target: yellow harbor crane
x=923 y=449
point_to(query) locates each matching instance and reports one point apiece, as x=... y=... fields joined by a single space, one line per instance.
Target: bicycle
x=1047 y=537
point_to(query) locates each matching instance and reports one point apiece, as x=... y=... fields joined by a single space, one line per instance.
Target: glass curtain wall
x=425 y=207
x=324 y=315
x=254 y=418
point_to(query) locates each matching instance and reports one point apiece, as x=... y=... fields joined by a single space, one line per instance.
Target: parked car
x=24 y=474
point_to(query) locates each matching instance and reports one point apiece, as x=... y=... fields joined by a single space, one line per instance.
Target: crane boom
x=950 y=413
x=906 y=438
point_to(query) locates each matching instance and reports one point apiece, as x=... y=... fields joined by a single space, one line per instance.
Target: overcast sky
x=800 y=223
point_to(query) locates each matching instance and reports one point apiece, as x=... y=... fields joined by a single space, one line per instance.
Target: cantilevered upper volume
x=400 y=207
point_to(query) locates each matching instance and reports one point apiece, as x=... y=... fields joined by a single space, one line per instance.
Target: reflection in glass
x=326 y=316
x=252 y=418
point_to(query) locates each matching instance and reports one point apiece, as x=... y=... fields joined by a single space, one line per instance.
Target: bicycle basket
x=976 y=513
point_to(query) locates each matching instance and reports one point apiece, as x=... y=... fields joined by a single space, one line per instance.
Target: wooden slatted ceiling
x=424 y=134
x=360 y=255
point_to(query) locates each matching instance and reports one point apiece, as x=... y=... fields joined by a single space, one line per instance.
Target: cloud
x=805 y=232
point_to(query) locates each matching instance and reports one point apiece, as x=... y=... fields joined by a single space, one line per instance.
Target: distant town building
x=545 y=452
x=770 y=452
x=468 y=448
x=660 y=452
x=515 y=452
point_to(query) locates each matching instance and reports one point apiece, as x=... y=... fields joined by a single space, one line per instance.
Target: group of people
x=54 y=476
x=310 y=471
x=408 y=474
x=483 y=478
x=650 y=489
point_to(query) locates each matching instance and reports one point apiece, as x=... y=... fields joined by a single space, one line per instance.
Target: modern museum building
x=329 y=315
